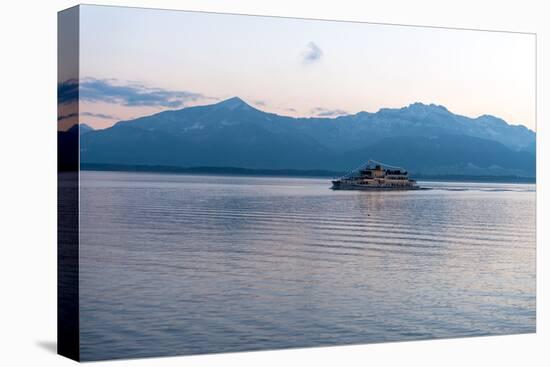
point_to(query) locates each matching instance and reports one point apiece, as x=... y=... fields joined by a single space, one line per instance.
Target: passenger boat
x=375 y=176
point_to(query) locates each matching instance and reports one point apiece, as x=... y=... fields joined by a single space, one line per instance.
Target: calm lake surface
x=181 y=264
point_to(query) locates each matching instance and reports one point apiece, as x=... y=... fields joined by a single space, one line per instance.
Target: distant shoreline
x=236 y=171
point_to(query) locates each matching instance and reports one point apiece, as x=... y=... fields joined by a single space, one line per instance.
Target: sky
x=136 y=62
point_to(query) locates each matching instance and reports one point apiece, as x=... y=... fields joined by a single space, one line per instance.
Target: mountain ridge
x=233 y=133
x=237 y=101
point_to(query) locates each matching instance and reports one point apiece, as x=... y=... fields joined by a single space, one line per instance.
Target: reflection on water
x=176 y=264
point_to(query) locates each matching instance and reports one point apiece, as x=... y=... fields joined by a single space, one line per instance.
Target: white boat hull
x=338 y=185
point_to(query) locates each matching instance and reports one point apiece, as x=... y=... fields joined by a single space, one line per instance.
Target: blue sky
x=140 y=61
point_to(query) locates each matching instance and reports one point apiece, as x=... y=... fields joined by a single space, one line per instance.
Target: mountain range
x=425 y=139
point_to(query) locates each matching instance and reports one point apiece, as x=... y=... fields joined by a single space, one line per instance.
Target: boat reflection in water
x=376 y=176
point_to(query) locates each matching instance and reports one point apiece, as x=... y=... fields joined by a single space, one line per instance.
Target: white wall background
x=28 y=182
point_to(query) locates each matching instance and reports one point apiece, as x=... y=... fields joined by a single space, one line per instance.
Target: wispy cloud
x=99 y=115
x=67 y=116
x=67 y=91
x=130 y=94
x=88 y=114
x=114 y=91
x=325 y=112
x=312 y=53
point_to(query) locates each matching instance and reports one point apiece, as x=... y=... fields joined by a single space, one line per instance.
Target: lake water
x=181 y=264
